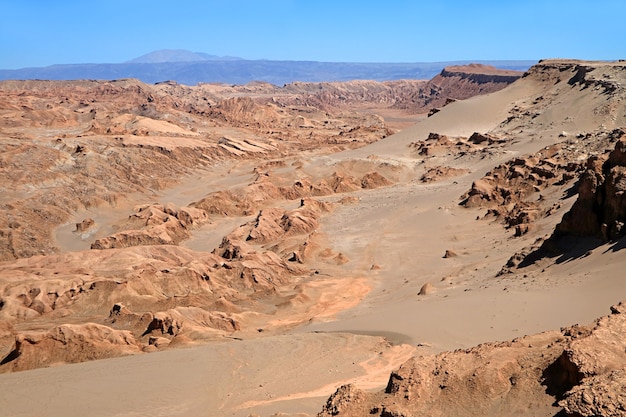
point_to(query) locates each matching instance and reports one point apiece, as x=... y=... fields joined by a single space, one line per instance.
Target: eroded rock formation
x=579 y=370
x=600 y=209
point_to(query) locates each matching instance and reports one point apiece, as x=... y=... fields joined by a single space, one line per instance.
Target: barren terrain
x=247 y=250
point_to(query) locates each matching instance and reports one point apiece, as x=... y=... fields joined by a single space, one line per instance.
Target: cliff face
x=580 y=73
x=600 y=209
x=480 y=74
x=458 y=83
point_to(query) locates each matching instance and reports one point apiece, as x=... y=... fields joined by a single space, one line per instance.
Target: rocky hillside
x=581 y=370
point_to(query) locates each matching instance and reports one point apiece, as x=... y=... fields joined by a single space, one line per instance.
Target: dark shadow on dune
x=617 y=246
x=565 y=249
x=571 y=191
x=576 y=247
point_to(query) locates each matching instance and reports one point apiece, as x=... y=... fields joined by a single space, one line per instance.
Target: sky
x=38 y=33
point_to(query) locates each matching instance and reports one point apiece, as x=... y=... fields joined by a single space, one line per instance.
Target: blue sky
x=46 y=32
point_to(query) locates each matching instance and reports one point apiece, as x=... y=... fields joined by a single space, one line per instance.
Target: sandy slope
x=407 y=228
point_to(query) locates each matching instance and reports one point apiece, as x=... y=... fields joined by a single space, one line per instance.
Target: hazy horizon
x=136 y=60
x=39 y=33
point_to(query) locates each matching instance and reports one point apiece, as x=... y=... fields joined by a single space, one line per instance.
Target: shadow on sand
x=567 y=248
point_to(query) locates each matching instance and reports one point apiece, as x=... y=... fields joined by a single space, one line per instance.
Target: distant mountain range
x=178 y=55
x=186 y=67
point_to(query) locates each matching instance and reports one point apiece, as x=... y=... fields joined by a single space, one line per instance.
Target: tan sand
x=231 y=378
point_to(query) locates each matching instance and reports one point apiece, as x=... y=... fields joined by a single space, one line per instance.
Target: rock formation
x=580 y=369
x=156 y=225
x=458 y=83
x=600 y=209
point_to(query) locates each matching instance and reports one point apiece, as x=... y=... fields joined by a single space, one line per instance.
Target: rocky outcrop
x=512 y=191
x=481 y=74
x=600 y=209
x=576 y=372
x=438 y=173
x=176 y=296
x=347 y=397
x=436 y=144
x=576 y=73
x=68 y=343
x=491 y=379
x=156 y=225
x=374 y=180
x=598 y=396
x=248 y=200
x=519 y=178
x=190 y=319
x=598 y=358
x=273 y=224
x=85 y=225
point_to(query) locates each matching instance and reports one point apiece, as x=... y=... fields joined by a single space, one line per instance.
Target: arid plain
x=442 y=247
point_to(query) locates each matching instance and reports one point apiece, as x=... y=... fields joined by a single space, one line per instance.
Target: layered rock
x=458 y=83
x=438 y=145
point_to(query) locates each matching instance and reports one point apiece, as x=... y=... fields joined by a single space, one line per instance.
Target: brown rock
x=374 y=180
x=68 y=344
x=438 y=173
x=341 y=259
x=491 y=378
x=600 y=209
x=346 y=397
x=155 y=225
x=85 y=225
x=455 y=83
x=427 y=289
x=598 y=396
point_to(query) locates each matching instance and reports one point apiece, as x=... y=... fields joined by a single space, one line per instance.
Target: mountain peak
x=176 y=55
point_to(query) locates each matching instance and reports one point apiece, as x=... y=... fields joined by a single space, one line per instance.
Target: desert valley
x=443 y=247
